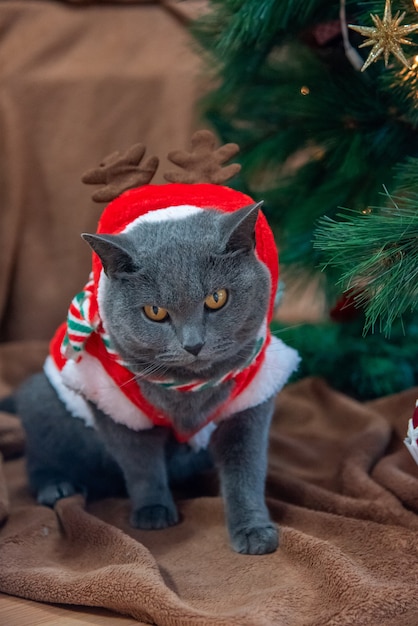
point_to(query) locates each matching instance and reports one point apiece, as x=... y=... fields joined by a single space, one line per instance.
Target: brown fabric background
x=76 y=83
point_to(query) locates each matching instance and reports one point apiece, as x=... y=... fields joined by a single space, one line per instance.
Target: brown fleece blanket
x=341 y=486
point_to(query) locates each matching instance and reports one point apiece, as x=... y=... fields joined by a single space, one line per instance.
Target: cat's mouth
x=187 y=369
x=201 y=361
x=193 y=364
x=164 y=367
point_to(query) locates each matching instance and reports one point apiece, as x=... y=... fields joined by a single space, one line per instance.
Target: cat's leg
x=185 y=463
x=63 y=455
x=239 y=445
x=141 y=456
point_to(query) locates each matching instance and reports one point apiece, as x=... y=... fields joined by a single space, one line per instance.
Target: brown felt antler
x=119 y=172
x=204 y=163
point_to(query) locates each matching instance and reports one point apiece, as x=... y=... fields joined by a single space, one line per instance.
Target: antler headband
x=203 y=164
x=198 y=182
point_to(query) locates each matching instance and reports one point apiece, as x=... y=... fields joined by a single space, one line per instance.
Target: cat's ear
x=115 y=258
x=239 y=228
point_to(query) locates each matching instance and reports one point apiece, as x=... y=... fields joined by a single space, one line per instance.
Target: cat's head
x=184 y=297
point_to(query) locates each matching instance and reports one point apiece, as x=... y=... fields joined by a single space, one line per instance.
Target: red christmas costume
x=79 y=366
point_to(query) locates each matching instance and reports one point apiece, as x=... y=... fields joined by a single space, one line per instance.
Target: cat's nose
x=194 y=348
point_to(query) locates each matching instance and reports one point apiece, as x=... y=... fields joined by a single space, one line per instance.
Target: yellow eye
x=217 y=299
x=155 y=313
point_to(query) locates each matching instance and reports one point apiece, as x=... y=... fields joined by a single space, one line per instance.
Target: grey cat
x=181 y=299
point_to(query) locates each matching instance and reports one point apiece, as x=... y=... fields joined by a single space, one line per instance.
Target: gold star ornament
x=386 y=36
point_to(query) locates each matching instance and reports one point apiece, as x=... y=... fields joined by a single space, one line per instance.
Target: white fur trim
x=88 y=379
x=279 y=363
x=164 y=215
x=72 y=400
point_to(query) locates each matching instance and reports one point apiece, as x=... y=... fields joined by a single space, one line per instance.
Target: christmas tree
x=322 y=98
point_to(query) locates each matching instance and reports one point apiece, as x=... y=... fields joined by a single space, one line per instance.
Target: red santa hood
x=135 y=203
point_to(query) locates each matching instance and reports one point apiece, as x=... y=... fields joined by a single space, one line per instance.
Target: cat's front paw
x=155 y=517
x=50 y=494
x=255 y=540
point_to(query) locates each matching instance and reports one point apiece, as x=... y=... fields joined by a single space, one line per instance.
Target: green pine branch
x=315 y=134
x=376 y=254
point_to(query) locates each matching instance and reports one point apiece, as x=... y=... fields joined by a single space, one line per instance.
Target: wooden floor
x=18 y=612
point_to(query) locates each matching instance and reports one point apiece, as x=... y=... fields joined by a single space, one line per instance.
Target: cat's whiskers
x=222 y=347
x=168 y=357
x=151 y=369
x=279 y=331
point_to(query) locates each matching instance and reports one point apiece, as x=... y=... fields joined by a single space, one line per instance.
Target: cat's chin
x=197 y=368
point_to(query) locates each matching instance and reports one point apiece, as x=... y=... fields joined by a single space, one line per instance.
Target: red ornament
x=345 y=310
